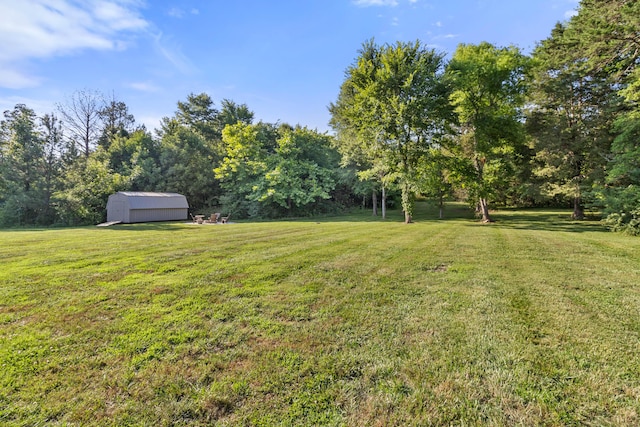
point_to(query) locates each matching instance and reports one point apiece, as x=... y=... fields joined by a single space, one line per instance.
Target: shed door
x=118 y=212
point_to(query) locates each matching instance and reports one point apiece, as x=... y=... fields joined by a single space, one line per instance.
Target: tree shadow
x=152 y=226
x=545 y=220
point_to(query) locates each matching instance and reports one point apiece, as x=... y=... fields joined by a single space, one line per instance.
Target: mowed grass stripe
x=561 y=355
x=532 y=320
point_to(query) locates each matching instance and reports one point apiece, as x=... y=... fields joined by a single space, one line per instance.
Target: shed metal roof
x=149 y=200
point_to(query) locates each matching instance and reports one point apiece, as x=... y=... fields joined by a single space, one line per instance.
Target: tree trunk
x=441 y=207
x=484 y=209
x=408 y=219
x=578 y=211
x=407 y=203
x=374 y=201
x=384 y=203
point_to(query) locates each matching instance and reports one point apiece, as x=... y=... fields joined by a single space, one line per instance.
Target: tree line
x=493 y=125
x=61 y=168
x=490 y=125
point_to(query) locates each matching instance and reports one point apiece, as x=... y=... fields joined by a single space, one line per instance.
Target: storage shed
x=138 y=206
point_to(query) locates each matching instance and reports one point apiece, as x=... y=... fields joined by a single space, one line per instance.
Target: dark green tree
x=53 y=166
x=22 y=168
x=573 y=106
x=299 y=173
x=232 y=113
x=198 y=114
x=605 y=34
x=186 y=163
x=116 y=121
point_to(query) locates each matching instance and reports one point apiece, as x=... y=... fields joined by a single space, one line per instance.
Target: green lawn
x=532 y=320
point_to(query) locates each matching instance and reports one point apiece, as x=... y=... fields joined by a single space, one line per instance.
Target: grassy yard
x=533 y=320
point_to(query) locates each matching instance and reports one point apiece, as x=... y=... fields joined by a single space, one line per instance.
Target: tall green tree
x=232 y=113
x=136 y=155
x=605 y=34
x=197 y=113
x=489 y=84
x=116 y=121
x=361 y=157
x=435 y=177
x=186 y=167
x=191 y=147
x=247 y=148
x=22 y=168
x=53 y=167
x=573 y=107
x=393 y=106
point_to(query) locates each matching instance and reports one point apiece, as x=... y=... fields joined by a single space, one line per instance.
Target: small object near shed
x=142 y=206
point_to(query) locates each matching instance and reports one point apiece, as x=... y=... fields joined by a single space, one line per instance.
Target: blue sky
x=285 y=59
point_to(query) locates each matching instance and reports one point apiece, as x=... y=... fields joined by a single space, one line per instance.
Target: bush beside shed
x=139 y=206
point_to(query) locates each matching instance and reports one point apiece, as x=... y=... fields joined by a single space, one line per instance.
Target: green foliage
x=595 y=57
x=621 y=195
x=246 y=149
x=117 y=122
x=604 y=34
x=198 y=114
x=232 y=113
x=571 y=119
x=300 y=172
x=29 y=167
x=488 y=89
x=628 y=219
x=392 y=107
x=186 y=160
x=89 y=183
x=281 y=170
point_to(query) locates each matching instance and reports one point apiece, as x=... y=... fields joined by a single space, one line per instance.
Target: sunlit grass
x=342 y=321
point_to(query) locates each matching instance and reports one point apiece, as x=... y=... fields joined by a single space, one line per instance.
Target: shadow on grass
x=545 y=220
x=152 y=226
x=425 y=212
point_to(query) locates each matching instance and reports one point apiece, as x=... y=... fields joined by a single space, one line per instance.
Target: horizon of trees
x=493 y=126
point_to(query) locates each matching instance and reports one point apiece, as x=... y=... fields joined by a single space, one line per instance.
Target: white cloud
x=173 y=53
x=144 y=87
x=38 y=105
x=16 y=79
x=367 y=3
x=176 y=12
x=445 y=36
x=150 y=121
x=31 y=29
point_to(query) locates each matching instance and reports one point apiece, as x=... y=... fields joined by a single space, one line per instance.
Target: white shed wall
x=144 y=215
x=129 y=207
